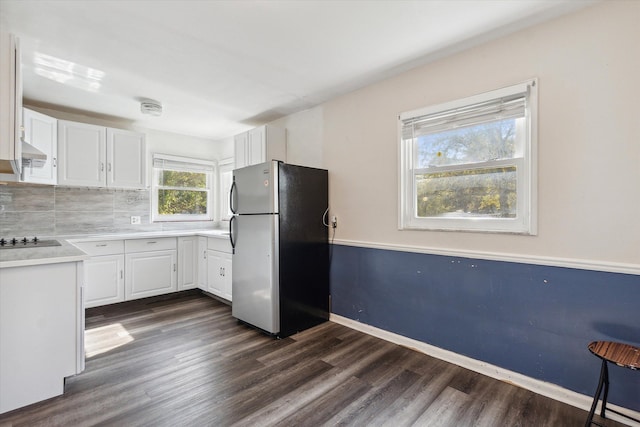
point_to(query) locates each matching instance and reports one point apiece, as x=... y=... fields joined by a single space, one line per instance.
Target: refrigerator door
x=255 y=291
x=255 y=189
x=304 y=249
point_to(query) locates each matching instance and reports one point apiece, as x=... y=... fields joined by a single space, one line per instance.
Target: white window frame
x=182 y=163
x=224 y=166
x=525 y=162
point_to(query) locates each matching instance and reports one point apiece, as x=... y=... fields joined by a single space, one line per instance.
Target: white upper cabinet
x=126 y=159
x=10 y=105
x=260 y=145
x=81 y=154
x=95 y=156
x=42 y=132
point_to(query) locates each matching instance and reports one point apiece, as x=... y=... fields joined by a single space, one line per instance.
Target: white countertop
x=23 y=257
x=67 y=252
x=222 y=234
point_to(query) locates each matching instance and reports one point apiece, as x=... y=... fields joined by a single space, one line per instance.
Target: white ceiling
x=220 y=67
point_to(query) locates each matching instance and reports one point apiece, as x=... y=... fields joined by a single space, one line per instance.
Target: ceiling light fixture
x=151 y=107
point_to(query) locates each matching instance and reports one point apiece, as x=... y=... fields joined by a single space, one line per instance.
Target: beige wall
x=588 y=66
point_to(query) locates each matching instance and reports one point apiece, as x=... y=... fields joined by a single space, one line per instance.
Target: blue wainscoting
x=531 y=319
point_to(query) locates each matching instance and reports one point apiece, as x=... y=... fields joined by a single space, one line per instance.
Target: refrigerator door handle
x=233 y=242
x=231 y=191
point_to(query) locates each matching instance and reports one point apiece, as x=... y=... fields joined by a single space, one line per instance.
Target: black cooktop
x=24 y=242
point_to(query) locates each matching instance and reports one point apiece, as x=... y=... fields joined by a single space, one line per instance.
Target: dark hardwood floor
x=184 y=361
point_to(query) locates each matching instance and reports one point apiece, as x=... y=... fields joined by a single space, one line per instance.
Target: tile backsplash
x=29 y=210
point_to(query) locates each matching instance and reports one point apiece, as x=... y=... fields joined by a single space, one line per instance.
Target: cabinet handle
x=101 y=245
x=174 y=266
x=101 y=166
x=149 y=243
x=55 y=162
x=220 y=271
x=204 y=254
x=109 y=167
x=121 y=274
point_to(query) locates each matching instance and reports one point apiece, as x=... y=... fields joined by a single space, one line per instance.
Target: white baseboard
x=544 y=388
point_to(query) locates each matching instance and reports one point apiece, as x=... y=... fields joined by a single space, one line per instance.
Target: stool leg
x=603 y=370
x=606 y=389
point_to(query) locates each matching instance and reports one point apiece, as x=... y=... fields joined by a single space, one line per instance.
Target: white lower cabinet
x=219 y=267
x=187 y=262
x=103 y=272
x=123 y=270
x=41 y=331
x=151 y=267
x=219 y=274
x=202 y=263
x=104 y=280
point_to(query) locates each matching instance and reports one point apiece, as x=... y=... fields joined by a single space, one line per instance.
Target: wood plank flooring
x=184 y=361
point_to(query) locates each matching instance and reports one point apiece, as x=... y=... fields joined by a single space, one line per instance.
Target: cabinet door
x=214 y=272
x=257 y=145
x=150 y=273
x=104 y=280
x=276 y=143
x=241 y=153
x=42 y=132
x=10 y=105
x=226 y=279
x=219 y=274
x=187 y=262
x=81 y=154
x=202 y=263
x=126 y=159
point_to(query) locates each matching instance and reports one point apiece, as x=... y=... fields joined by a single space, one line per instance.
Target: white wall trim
x=547 y=389
x=611 y=267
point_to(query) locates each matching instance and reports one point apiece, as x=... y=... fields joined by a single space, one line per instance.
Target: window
x=181 y=189
x=470 y=164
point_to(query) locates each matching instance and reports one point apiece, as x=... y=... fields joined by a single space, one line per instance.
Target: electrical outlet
x=334 y=221
x=135 y=220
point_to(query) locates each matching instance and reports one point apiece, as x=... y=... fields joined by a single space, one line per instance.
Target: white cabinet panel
x=106 y=247
x=10 y=104
x=219 y=274
x=150 y=273
x=40 y=324
x=241 y=150
x=146 y=245
x=95 y=156
x=260 y=145
x=202 y=263
x=126 y=159
x=187 y=262
x=41 y=131
x=81 y=154
x=104 y=280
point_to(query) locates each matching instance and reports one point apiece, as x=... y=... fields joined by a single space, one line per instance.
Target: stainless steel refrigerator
x=280 y=247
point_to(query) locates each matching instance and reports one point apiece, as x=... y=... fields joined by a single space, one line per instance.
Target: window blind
x=182 y=164
x=508 y=107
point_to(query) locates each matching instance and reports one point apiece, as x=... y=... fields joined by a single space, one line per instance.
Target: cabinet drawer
x=105 y=247
x=145 y=245
x=219 y=244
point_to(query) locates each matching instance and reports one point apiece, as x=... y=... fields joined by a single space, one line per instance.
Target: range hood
x=31 y=156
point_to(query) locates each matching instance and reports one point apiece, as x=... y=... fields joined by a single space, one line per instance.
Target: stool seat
x=624 y=355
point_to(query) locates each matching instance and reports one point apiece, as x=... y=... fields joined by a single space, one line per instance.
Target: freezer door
x=255 y=189
x=255 y=277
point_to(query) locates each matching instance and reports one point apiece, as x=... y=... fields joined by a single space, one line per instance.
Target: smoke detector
x=151 y=107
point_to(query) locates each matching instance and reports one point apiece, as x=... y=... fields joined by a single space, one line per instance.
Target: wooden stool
x=624 y=355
